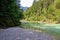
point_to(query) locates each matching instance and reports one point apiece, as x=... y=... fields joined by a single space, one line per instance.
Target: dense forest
x=44 y=10
x=10 y=13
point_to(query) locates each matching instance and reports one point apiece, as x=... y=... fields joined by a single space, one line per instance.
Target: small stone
x=27 y=39
x=18 y=38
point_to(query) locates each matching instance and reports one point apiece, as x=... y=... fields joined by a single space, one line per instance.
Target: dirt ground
x=17 y=33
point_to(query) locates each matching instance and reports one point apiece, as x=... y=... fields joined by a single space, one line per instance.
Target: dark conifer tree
x=10 y=13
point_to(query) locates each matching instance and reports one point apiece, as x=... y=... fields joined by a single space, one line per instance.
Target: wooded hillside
x=44 y=10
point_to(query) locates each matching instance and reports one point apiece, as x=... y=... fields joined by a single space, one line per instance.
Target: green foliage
x=44 y=10
x=10 y=14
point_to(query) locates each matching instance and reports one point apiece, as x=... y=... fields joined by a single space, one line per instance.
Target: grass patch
x=53 y=29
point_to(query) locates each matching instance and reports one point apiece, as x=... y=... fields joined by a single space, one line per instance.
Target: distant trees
x=10 y=14
x=44 y=10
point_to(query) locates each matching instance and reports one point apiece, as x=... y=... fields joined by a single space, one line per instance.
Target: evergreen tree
x=10 y=14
